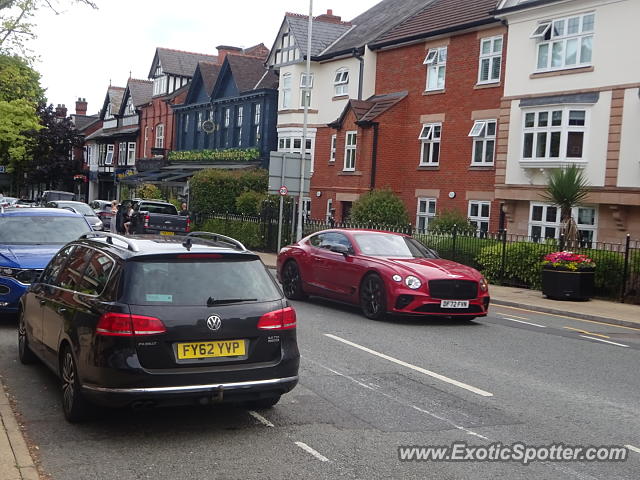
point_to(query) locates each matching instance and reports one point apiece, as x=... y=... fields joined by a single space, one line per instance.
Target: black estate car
x=153 y=321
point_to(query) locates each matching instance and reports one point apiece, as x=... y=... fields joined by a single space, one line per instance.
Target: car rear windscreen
x=40 y=230
x=198 y=283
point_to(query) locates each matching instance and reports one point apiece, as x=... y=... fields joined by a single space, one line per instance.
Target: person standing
x=113 y=224
x=184 y=212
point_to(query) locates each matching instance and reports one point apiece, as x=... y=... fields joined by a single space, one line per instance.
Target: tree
x=18 y=81
x=149 y=191
x=567 y=188
x=50 y=151
x=448 y=220
x=380 y=207
x=15 y=21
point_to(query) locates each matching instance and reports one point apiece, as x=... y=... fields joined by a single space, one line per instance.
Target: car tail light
x=146 y=221
x=125 y=325
x=188 y=225
x=284 y=319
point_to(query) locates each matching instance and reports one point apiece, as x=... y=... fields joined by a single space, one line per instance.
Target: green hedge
x=466 y=249
x=215 y=190
x=227 y=155
x=522 y=263
x=250 y=234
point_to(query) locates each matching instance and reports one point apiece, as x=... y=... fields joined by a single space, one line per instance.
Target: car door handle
x=42 y=301
x=61 y=310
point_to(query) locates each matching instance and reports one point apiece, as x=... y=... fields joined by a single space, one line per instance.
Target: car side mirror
x=340 y=249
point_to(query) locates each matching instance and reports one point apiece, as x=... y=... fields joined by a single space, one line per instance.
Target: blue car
x=29 y=238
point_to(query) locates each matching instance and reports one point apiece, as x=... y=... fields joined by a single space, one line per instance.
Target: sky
x=82 y=50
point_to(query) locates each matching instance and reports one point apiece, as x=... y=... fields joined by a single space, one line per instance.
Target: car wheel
x=373 y=298
x=262 y=403
x=292 y=281
x=75 y=407
x=25 y=354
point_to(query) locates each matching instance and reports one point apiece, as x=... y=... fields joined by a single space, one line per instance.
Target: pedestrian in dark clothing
x=184 y=212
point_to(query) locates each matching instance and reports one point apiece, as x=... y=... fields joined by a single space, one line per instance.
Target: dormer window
x=159 y=82
x=287 y=50
x=341 y=82
x=109 y=112
x=130 y=108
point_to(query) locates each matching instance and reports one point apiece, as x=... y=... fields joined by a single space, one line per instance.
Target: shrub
x=465 y=250
x=522 y=267
x=446 y=221
x=226 y=155
x=380 y=207
x=215 y=190
x=249 y=203
x=149 y=191
x=249 y=233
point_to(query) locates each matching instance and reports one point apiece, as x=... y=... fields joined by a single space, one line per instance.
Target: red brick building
x=430 y=132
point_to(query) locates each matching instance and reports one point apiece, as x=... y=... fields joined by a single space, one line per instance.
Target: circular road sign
x=283 y=190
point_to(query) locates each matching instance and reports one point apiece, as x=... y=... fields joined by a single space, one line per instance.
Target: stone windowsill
x=340 y=97
x=429 y=167
x=434 y=92
x=567 y=71
x=480 y=86
x=350 y=173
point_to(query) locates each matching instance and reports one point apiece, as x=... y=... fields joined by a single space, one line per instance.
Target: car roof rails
x=218 y=238
x=131 y=245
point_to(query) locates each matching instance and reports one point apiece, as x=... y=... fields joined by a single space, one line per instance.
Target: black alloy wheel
x=25 y=354
x=74 y=405
x=292 y=281
x=373 y=298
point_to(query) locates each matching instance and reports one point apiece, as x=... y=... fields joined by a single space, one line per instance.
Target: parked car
x=29 y=237
x=384 y=273
x=25 y=203
x=153 y=321
x=82 y=209
x=51 y=195
x=158 y=217
x=102 y=208
x=7 y=202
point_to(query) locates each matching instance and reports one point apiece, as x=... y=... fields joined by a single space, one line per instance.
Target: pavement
x=16 y=463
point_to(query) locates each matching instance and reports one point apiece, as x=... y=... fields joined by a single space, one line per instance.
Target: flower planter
x=561 y=283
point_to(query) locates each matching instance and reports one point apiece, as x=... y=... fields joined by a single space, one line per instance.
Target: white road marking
x=398 y=400
x=520 y=321
x=261 y=419
x=605 y=341
x=313 y=452
x=633 y=449
x=443 y=378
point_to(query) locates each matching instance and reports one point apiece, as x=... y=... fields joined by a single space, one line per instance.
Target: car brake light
x=284 y=319
x=125 y=325
x=146 y=221
x=188 y=229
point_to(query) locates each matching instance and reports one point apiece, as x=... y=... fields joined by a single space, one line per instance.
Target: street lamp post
x=306 y=93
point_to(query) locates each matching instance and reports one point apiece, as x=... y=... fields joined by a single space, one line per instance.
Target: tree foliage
x=149 y=191
x=49 y=150
x=381 y=207
x=215 y=190
x=16 y=17
x=18 y=81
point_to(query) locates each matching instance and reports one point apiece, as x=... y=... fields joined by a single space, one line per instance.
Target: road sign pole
x=305 y=121
x=284 y=162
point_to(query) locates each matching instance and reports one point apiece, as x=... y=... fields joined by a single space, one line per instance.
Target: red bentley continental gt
x=384 y=273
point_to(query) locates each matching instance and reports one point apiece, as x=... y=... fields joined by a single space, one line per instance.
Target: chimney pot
x=329 y=11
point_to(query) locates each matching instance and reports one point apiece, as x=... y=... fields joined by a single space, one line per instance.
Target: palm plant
x=566 y=189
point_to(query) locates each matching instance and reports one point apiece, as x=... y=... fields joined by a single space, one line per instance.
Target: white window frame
x=550 y=131
x=329 y=208
x=200 y=120
x=430 y=134
x=159 y=85
x=108 y=159
x=554 y=34
x=130 y=108
x=108 y=114
x=286 y=91
x=482 y=138
x=240 y=116
x=131 y=153
x=436 y=62
x=426 y=214
x=592 y=229
x=341 y=82
x=350 y=151
x=159 y=140
x=122 y=153
x=333 y=145
x=480 y=221
x=491 y=57
x=227 y=117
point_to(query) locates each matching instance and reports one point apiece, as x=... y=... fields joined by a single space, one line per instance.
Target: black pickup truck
x=157 y=217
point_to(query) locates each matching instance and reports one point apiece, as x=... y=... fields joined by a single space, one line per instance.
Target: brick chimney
x=61 y=111
x=329 y=17
x=81 y=106
x=224 y=50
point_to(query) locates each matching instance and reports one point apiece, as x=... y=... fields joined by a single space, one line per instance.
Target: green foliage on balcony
x=227 y=155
